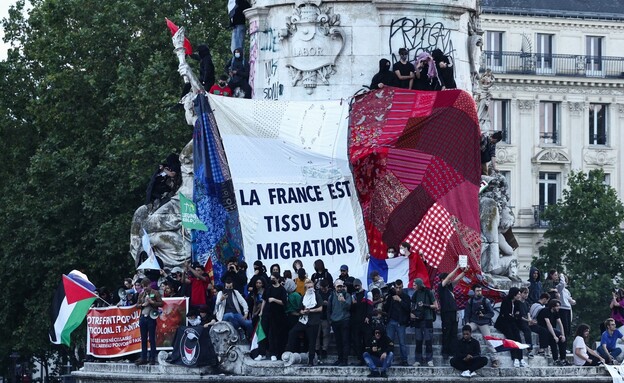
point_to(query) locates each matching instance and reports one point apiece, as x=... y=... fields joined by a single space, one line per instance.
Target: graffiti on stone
x=272 y=89
x=419 y=35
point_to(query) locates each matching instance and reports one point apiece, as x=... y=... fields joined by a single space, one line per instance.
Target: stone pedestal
x=322 y=50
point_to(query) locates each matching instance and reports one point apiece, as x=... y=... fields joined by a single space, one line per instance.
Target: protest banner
x=294 y=189
x=114 y=331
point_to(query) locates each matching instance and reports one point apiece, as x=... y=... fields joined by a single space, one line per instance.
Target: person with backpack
x=478 y=314
x=309 y=320
x=422 y=315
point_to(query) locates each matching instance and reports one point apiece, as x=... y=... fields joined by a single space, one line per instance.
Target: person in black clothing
x=468 y=357
x=385 y=77
x=378 y=353
x=508 y=325
x=404 y=70
x=361 y=310
x=425 y=73
x=448 y=309
x=237 y=275
x=238 y=69
x=548 y=318
x=236 y=9
x=259 y=273
x=206 y=67
x=397 y=309
x=274 y=317
x=322 y=340
x=320 y=274
x=423 y=306
x=523 y=320
x=165 y=181
x=445 y=70
x=488 y=151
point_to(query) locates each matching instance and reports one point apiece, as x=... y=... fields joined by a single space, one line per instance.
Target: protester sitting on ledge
x=583 y=355
x=378 y=353
x=468 y=357
x=221 y=88
x=608 y=343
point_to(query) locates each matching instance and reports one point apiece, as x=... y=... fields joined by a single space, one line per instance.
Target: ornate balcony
x=553 y=64
x=538 y=212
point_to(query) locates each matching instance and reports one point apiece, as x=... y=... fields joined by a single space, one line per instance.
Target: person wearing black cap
x=348 y=280
x=379 y=353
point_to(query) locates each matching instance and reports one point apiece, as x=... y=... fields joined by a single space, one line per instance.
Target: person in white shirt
x=583 y=355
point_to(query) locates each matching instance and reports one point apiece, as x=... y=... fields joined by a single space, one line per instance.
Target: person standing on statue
x=488 y=151
x=448 y=309
x=404 y=70
x=385 y=77
x=236 y=9
x=238 y=70
x=149 y=301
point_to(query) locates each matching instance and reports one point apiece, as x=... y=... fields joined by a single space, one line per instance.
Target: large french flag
x=389 y=269
x=501 y=345
x=69 y=306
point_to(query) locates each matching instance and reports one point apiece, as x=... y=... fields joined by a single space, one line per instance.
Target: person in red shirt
x=221 y=88
x=199 y=281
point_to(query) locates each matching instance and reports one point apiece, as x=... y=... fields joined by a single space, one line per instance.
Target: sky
x=4 y=12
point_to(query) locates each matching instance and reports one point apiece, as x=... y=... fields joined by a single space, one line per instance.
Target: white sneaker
x=516 y=363
x=473 y=374
x=430 y=363
x=274 y=358
x=466 y=374
x=416 y=364
x=523 y=363
x=259 y=358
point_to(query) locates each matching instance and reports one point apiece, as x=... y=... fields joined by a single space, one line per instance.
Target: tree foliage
x=585 y=240
x=86 y=95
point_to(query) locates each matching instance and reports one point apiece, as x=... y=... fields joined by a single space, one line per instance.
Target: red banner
x=114 y=331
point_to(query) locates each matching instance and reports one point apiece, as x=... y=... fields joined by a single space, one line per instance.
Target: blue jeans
x=147 y=326
x=615 y=352
x=238 y=37
x=237 y=321
x=395 y=328
x=374 y=362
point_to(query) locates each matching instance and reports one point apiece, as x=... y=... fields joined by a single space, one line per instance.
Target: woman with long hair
x=584 y=355
x=508 y=325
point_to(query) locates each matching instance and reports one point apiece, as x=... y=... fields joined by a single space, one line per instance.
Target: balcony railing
x=553 y=64
x=538 y=216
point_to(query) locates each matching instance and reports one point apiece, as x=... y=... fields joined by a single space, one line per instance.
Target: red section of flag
x=74 y=292
x=418 y=270
x=174 y=28
x=209 y=270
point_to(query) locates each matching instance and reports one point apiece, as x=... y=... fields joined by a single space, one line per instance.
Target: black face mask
x=221 y=84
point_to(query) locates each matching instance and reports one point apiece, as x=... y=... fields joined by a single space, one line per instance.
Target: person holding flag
x=149 y=301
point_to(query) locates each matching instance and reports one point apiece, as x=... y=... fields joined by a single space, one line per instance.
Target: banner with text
x=293 y=185
x=114 y=331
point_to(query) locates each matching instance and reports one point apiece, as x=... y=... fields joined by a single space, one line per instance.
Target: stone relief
x=552 y=156
x=599 y=157
x=576 y=108
x=313 y=40
x=560 y=90
x=525 y=105
x=505 y=154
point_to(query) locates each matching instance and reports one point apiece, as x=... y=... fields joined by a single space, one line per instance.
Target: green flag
x=190 y=220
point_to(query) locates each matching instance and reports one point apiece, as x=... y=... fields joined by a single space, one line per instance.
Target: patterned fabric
x=415 y=158
x=213 y=194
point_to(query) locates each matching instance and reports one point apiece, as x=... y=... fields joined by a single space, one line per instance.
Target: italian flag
x=70 y=304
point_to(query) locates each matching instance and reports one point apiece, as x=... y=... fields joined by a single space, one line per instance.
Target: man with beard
x=149 y=300
x=230 y=306
x=361 y=311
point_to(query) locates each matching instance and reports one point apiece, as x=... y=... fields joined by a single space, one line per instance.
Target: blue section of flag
x=389 y=269
x=213 y=195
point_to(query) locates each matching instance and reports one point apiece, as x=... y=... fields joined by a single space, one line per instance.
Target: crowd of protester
x=305 y=313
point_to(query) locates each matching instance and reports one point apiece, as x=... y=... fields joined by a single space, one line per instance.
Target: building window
x=593 y=51
x=598 y=134
x=499 y=116
x=544 y=51
x=548 y=188
x=607 y=179
x=494 y=49
x=549 y=122
x=507 y=175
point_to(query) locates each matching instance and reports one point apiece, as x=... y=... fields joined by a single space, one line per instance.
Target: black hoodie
x=535 y=286
x=384 y=76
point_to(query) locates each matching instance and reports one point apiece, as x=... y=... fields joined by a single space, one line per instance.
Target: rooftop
x=578 y=9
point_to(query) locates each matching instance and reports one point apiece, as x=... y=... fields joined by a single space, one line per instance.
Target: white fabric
x=579 y=342
x=309 y=302
x=293 y=147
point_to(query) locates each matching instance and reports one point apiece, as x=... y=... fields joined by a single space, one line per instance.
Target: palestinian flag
x=70 y=304
x=501 y=345
x=258 y=335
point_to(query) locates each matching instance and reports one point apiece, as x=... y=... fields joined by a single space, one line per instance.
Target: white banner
x=293 y=185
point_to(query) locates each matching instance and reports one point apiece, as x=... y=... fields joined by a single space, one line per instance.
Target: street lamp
x=14 y=357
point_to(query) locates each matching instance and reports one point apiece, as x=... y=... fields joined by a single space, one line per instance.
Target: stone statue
x=163 y=223
x=497 y=218
x=483 y=97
